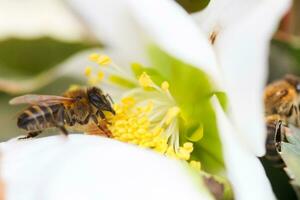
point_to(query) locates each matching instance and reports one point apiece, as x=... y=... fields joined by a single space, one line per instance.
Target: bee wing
x=34 y=99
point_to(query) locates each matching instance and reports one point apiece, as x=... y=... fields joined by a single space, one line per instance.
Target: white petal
x=242 y=50
x=91 y=167
x=244 y=170
x=113 y=25
x=162 y=22
x=171 y=28
x=219 y=14
x=243 y=35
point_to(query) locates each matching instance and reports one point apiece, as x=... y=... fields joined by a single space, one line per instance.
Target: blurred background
x=40 y=41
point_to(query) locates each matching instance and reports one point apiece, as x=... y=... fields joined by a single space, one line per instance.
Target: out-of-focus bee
x=282 y=108
x=78 y=110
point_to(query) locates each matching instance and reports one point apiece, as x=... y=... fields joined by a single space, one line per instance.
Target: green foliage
x=26 y=63
x=192 y=90
x=138 y=69
x=291 y=156
x=193 y=5
x=122 y=82
x=284 y=58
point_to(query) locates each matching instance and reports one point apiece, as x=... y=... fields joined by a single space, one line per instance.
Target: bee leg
x=30 y=135
x=87 y=119
x=103 y=128
x=101 y=114
x=94 y=118
x=60 y=121
x=69 y=120
x=63 y=130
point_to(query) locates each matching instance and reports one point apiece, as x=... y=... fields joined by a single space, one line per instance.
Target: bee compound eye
x=298 y=87
x=95 y=100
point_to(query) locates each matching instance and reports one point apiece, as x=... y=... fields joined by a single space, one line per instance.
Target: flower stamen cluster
x=146 y=116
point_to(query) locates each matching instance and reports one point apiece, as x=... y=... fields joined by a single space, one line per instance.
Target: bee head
x=279 y=96
x=100 y=100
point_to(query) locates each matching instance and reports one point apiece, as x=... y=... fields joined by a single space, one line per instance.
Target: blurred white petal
x=244 y=170
x=169 y=26
x=243 y=51
x=114 y=26
x=220 y=14
x=91 y=167
x=242 y=47
x=36 y=18
x=129 y=26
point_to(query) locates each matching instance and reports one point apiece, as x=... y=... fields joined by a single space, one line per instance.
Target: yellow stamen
x=165 y=86
x=171 y=114
x=183 y=154
x=100 y=76
x=104 y=60
x=141 y=122
x=93 y=80
x=145 y=80
x=188 y=146
x=170 y=152
x=195 y=165
x=88 y=71
x=129 y=101
x=94 y=57
x=131 y=124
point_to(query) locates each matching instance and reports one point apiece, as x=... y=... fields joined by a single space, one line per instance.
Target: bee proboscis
x=79 y=109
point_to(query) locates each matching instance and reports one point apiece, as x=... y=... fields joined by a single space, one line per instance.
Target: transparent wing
x=34 y=99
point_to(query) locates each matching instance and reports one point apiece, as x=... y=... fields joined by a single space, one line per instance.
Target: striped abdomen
x=38 y=117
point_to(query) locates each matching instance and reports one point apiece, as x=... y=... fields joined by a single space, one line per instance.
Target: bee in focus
x=78 y=110
x=282 y=108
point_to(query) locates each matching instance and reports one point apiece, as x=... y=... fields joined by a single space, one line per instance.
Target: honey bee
x=78 y=109
x=282 y=108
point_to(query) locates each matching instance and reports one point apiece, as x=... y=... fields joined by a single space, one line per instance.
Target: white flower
x=93 y=167
x=229 y=40
x=231 y=47
x=237 y=57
